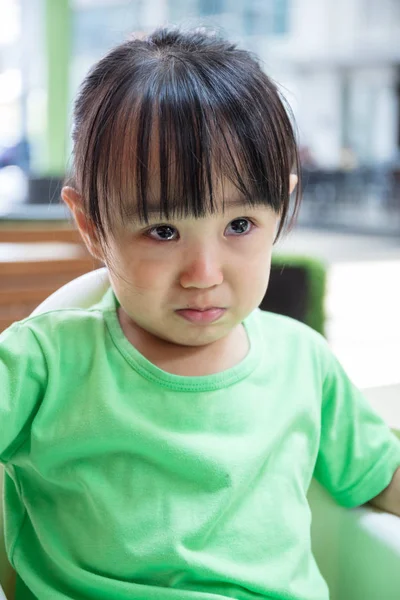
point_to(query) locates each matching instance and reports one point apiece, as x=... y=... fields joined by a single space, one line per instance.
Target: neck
x=187 y=361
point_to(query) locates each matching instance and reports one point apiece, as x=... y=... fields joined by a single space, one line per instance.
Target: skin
x=389 y=499
x=203 y=264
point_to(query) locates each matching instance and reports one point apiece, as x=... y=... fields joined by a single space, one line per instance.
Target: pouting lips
x=208 y=315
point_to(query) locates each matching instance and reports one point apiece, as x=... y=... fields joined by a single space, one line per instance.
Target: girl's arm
x=389 y=499
x=358 y=453
x=23 y=381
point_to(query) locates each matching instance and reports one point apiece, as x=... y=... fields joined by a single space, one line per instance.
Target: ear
x=292 y=182
x=74 y=202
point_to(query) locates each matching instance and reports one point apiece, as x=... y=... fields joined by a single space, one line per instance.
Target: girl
x=160 y=445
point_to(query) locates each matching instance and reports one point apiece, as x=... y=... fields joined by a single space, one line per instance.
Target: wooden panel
x=24 y=285
x=22 y=268
x=21 y=235
x=15 y=296
x=38 y=281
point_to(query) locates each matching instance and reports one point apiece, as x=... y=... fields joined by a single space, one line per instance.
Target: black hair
x=159 y=120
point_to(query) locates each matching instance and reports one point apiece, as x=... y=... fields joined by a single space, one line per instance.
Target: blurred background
x=338 y=65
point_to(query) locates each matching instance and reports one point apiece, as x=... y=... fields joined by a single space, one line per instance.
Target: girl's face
x=192 y=281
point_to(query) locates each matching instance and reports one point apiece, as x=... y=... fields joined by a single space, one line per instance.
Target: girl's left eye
x=163 y=233
x=239 y=227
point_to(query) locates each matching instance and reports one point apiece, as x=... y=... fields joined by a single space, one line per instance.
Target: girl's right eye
x=163 y=233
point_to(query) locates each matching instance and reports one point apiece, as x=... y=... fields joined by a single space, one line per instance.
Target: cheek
x=252 y=276
x=255 y=256
x=144 y=274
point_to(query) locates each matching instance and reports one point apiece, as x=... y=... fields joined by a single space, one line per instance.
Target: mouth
x=201 y=315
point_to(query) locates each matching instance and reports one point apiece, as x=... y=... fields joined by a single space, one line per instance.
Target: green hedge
x=316 y=279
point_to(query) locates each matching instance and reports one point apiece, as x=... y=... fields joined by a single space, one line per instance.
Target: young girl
x=160 y=444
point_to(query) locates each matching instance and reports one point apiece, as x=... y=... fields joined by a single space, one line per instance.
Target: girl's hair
x=160 y=121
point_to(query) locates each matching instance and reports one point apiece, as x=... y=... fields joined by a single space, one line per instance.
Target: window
x=280 y=17
x=210 y=7
x=266 y=17
x=385 y=13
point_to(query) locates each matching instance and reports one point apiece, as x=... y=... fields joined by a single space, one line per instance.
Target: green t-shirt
x=126 y=482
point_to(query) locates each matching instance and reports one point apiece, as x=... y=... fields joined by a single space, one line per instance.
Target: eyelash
x=152 y=229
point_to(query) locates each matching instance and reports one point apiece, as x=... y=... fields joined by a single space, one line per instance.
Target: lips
x=201 y=315
x=200 y=308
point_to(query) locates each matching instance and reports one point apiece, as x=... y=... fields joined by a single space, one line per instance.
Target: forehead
x=160 y=172
x=226 y=197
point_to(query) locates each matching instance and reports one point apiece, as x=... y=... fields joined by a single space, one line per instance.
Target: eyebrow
x=154 y=210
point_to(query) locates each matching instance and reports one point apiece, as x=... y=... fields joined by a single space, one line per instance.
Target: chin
x=192 y=338
x=204 y=338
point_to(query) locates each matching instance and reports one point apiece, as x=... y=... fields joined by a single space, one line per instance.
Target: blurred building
x=341 y=62
x=338 y=61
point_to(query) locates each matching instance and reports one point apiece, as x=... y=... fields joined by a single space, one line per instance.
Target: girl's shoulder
x=289 y=338
x=63 y=323
x=282 y=326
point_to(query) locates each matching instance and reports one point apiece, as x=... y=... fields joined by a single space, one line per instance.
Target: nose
x=202 y=270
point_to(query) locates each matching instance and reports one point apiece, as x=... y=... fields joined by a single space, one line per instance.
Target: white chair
x=358 y=550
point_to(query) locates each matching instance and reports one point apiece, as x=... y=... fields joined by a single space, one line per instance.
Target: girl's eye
x=163 y=233
x=239 y=227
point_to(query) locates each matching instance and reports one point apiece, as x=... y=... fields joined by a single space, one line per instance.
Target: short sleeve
x=358 y=453
x=23 y=376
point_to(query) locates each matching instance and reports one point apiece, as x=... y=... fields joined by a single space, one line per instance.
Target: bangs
x=165 y=139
